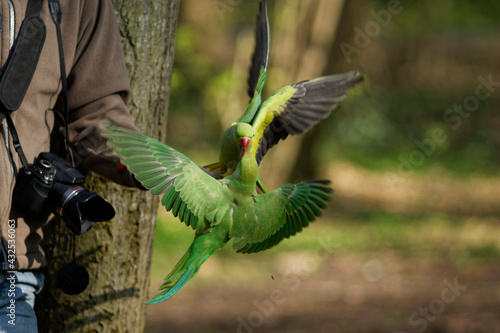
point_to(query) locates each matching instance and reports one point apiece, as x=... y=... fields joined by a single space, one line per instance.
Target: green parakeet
x=218 y=210
x=294 y=109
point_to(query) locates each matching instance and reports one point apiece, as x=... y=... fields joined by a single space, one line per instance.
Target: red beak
x=244 y=141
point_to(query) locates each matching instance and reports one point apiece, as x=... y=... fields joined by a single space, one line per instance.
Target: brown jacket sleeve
x=98 y=90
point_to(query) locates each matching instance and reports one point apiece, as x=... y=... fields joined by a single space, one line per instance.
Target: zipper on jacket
x=12 y=23
x=12 y=28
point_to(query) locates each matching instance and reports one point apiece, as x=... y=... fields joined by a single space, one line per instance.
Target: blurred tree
x=118 y=254
x=420 y=62
x=329 y=56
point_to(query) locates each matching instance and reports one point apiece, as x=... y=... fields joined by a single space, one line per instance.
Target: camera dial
x=45 y=164
x=44 y=170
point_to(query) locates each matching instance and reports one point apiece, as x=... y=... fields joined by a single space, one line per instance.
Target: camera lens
x=79 y=207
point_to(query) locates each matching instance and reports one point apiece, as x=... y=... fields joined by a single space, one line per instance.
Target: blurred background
x=411 y=241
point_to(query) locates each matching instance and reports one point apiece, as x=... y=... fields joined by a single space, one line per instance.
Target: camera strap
x=15 y=140
x=56 y=13
x=21 y=65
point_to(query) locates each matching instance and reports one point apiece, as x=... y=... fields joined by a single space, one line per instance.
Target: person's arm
x=98 y=91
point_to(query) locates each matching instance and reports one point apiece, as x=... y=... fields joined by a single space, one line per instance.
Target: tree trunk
x=336 y=63
x=117 y=254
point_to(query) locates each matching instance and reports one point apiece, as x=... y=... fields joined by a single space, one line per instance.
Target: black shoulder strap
x=34 y=8
x=23 y=58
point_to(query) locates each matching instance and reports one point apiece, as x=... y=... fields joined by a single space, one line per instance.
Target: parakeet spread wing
x=261 y=51
x=258 y=68
x=189 y=192
x=283 y=212
x=296 y=108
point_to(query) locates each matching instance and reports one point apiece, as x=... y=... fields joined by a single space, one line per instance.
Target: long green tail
x=201 y=249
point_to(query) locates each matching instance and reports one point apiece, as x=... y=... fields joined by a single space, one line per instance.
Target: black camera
x=52 y=185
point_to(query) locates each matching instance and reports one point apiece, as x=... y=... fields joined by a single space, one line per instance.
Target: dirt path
x=353 y=293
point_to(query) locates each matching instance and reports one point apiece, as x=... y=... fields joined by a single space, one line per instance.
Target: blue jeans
x=17 y=299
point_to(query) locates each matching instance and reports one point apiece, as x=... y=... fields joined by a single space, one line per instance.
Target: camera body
x=52 y=185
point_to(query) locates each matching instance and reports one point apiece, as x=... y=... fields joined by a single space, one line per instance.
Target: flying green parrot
x=218 y=210
x=294 y=109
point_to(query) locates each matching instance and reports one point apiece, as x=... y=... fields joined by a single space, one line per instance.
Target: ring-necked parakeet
x=218 y=210
x=294 y=109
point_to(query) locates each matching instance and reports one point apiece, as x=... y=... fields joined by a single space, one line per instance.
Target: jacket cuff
x=129 y=178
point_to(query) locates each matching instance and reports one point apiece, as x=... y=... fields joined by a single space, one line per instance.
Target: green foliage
x=377 y=132
x=463 y=240
x=427 y=15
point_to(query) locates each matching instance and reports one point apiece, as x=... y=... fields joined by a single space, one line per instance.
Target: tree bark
x=117 y=254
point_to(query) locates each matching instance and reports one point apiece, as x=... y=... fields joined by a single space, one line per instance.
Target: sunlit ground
x=422 y=256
